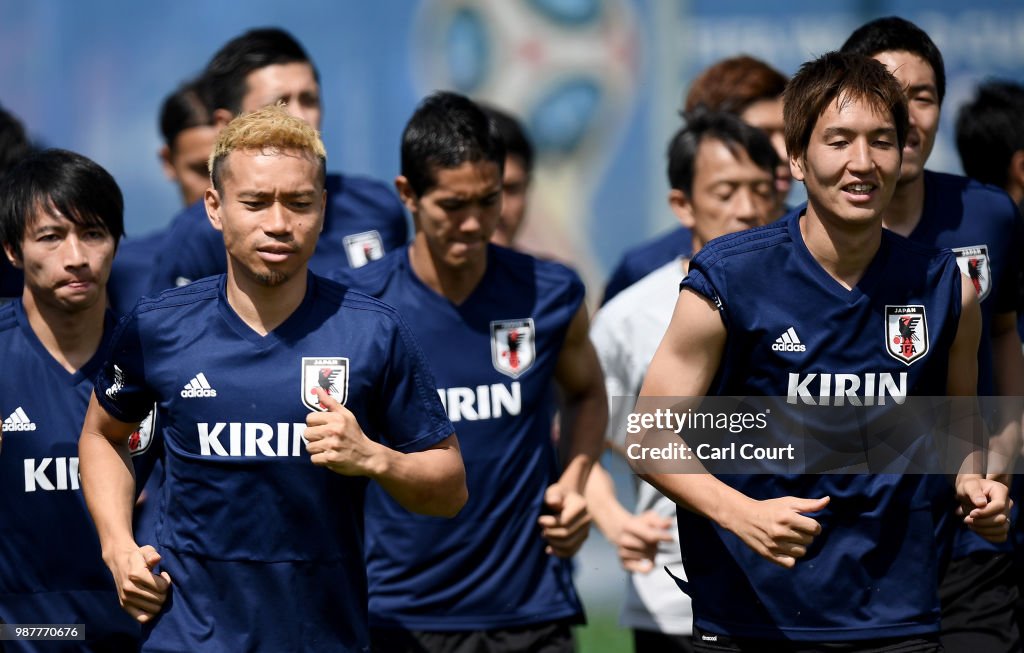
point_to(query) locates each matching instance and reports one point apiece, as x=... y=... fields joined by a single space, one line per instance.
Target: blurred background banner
x=597 y=82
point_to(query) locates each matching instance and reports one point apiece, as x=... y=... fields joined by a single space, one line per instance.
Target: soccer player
x=501 y=327
x=363 y=220
x=720 y=170
x=283 y=395
x=752 y=90
x=990 y=137
x=982 y=227
x=14 y=146
x=516 y=178
x=60 y=220
x=799 y=562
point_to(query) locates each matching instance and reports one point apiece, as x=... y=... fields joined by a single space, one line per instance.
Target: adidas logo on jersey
x=18 y=421
x=198 y=387
x=788 y=341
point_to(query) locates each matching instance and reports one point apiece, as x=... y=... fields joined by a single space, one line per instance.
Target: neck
x=71 y=338
x=453 y=283
x=904 y=211
x=843 y=250
x=260 y=306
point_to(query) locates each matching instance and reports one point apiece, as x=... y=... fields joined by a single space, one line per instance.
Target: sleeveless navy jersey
x=647 y=257
x=871 y=573
x=11 y=279
x=981 y=225
x=50 y=565
x=493 y=357
x=362 y=221
x=265 y=549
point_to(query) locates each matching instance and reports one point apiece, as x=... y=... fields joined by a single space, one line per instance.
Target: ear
x=164 y=154
x=681 y=206
x=408 y=196
x=213 y=208
x=796 y=167
x=221 y=117
x=12 y=257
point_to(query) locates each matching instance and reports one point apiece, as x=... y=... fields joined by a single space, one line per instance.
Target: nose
x=746 y=206
x=275 y=220
x=860 y=157
x=74 y=252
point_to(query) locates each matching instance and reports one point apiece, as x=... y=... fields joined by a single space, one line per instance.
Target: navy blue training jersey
x=362 y=221
x=132 y=271
x=265 y=549
x=871 y=573
x=647 y=257
x=493 y=357
x=12 y=280
x=51 y=571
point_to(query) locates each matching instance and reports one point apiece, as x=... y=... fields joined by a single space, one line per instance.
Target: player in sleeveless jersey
x=498 y=327
x=982 y=227
x=793 y=563
x=60 y=221
x=282 y=395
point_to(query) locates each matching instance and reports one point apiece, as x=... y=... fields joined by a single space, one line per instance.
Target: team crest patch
x=906 y=333
x=974 y=263
x=363 y=247
x=328 y=374
x=512 y=346
x=140 y=441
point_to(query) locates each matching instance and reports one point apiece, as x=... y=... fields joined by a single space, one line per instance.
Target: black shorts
x=705 y=642
x=649 y=641
x=555 y=637
x=979 y=596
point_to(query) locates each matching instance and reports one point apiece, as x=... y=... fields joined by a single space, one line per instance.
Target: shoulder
x=341 y=296
x=549 y=276
x=373 y=277
x=976 y=197
x=359 y=189
x=199 y=292
x=8 y=315
x=744 y=245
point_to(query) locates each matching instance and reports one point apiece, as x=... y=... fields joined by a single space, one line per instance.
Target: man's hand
x=777 y=528
x=638 y=538
x=141 y=592
x=569 y=524
x=336 y=441
x=985 y=507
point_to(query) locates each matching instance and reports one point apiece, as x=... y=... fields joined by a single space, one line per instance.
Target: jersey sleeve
x=701 y=278
x=120 y=384
x=414 y=418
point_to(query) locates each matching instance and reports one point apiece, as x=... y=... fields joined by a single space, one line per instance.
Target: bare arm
x=684 y=366
x=585 y=415
x=1008 y=368
x=984 y=502
x=429 y=482
x=108 y=484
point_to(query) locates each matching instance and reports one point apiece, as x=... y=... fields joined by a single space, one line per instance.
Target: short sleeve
x=414 y=418
x=700 y=279
x=120 y=384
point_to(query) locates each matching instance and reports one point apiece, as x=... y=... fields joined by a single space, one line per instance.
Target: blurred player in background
x=517 y=175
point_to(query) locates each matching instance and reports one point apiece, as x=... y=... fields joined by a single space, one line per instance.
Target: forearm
x=702 y=494
x=1008 y=363
x=585 y=420
x=603 y=504
x=429 y=482
x=108 y=485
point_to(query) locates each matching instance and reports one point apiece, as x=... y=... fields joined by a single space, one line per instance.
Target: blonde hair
x=270 y=128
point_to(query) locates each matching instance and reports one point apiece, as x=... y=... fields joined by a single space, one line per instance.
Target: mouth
x=275 y=254
x=860 y=191
x=78 y=284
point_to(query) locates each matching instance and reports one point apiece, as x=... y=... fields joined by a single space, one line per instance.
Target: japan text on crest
x=974 y=263
x=906 y=332
x=363 y=247
x=512 y=346
x=328 y=374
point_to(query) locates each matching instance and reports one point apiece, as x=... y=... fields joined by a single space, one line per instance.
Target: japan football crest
x=328 y=374
x=140 y=440
x=974 y=263
x=363 y=248
x=906 y=333
x=512 y=346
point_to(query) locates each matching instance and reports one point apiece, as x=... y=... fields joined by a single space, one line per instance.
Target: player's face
x=766 y=115
x=186 y=163
x=513 y=201
x=852 y=162
x=270 y=210
x=66 y=265
x=730 y=193
x=293 y=83
x=459 y=213
x=918 y=81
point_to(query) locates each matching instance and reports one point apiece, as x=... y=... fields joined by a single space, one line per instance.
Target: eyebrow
x=917 y=88
x=259 y=194
x=829 y=132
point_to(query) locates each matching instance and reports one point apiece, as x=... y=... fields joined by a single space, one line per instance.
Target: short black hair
x=727 y=128
x=58 y=181
x=892 y=34
x=14 y=143
x=225 y=75
x=447 y=130
x=183 y=109
x=990 y=129
x=512 y=134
